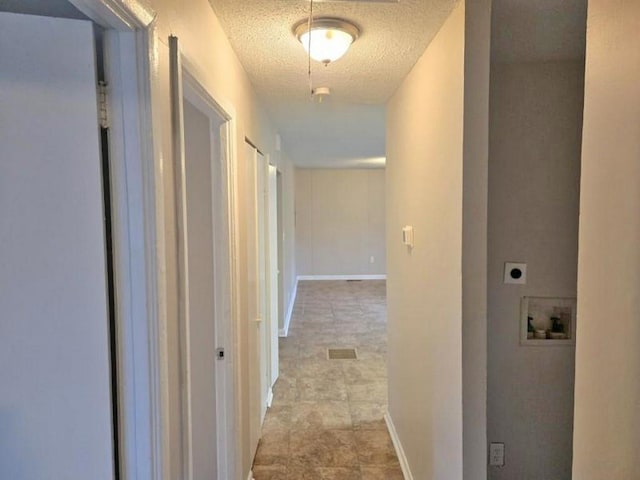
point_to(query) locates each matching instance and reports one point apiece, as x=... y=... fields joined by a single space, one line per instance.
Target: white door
x=55 y=398
x=201 y=355
x=263 y=279
x=273 y=274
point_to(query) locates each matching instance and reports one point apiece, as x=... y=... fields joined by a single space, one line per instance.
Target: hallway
x=326 y=421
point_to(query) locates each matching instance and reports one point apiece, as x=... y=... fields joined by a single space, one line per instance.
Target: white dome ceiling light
x=326 y=39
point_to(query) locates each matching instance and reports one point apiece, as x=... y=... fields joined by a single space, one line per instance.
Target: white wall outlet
x=372 y=259
x=496 y=455
x=515 y=272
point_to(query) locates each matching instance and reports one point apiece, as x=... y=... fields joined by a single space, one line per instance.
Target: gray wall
x=340 y=221
x=534 y=174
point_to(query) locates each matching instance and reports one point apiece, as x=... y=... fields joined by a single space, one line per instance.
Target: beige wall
x=210 y=58
x=287 y=170
x=424 y=285
x=340 y=221
x=534 y=177
x=607 y=395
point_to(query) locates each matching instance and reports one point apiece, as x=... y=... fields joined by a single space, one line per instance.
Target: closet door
x=55 y=399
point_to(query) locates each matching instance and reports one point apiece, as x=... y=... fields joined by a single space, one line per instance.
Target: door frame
x=267 y=341
x=138 y=243
x=273 y=276
x=186 y=85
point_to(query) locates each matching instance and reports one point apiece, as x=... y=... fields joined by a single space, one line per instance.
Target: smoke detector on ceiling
x=318 y=94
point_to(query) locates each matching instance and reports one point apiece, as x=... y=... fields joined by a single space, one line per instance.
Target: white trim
x=250 y=477
x=228 y=139
x=233 y=214
x=402 y=458
x=342 y=277
x=186 y=85
x=195 y=92
x=123 y=15
x=284 y=332
x=177 y=137
x=138 y=213
x=270 y=396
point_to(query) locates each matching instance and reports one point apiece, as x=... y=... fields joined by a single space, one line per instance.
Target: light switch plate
x=496 y=455
x=407 y=236
x=515 y=272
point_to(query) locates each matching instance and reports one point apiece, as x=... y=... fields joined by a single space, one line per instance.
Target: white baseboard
x=402 y=458
x=269 y=397
x=342 y=277
x=283 y=332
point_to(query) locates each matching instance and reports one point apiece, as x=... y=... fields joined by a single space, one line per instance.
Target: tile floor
x=326 y=421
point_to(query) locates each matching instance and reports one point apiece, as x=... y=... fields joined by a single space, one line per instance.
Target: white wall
x=340 y=221
x=424 y=285
x=534 y=176
x=437 y=156
x=287 y=171
x=607 y=394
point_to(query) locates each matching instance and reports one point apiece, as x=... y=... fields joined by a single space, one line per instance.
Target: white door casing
x=138 y=245
x=254 y=320
x=202 y=132
x=262 y=206
x=274 y=274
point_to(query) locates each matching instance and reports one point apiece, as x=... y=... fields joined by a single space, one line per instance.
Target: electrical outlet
x=372 y=259
x=496 y=455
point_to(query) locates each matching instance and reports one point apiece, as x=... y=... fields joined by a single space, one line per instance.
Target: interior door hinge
x=103 y=106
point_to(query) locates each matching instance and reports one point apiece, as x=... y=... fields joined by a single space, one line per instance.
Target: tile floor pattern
x=326 y=421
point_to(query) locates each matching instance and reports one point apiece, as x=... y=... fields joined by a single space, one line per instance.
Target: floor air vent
x=342 y=354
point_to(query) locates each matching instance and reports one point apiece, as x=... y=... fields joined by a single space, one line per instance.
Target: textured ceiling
x=347 y=129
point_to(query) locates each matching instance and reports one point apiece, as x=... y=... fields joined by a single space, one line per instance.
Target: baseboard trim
x=269 y=397
x=342 y=277
x=284 y=332
x=402 y=458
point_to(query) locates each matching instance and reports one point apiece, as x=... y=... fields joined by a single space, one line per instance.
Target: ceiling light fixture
x=326 y=39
